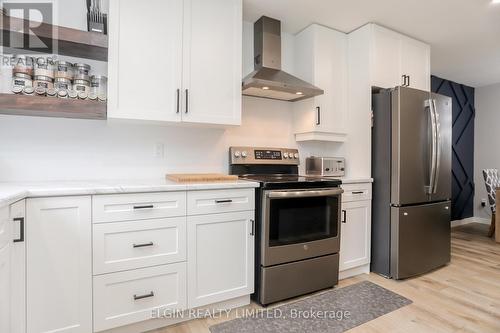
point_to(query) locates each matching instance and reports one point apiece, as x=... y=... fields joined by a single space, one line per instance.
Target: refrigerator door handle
x=430 y=107
x=438 y=145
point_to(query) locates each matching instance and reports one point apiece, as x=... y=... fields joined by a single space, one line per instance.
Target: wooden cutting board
x=200 y=177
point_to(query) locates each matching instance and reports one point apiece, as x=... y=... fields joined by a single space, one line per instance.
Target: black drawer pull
x=223 y=201
x=21 y=229
x=358 y=192
x=144 y=207
x=143 y=245
x=136 y=297
x=344 y=216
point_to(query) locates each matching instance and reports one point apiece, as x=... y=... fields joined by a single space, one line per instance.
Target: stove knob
x=296 y=155
x=285 y=155
x=237 y=154
x=244 y=154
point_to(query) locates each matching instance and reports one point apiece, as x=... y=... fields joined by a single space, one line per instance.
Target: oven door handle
x=304 y=193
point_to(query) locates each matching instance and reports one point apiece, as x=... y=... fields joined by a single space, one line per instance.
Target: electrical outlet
x=483 y=202
x=160 y=150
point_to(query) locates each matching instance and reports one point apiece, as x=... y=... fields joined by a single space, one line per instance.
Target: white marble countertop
x=11 y=192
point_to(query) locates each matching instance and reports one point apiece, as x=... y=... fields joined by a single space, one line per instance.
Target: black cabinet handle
x=358 y=192
x=187 y=100
x=138 y=297
x=404 y=80
x=223 y=201
x=178 y=100
x=144 y=207
x=253 y=228
x=143 y=245
x=344 y=216
x=318 y=115
x=21 y=229
x=408 y=77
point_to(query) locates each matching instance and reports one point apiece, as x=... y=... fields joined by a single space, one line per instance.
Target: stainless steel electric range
x=298 y=224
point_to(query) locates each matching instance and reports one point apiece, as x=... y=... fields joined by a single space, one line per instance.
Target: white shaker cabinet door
x=355 y=234
x=212 y=62
x=386 y=58
x=415 y=63
x=59 y=265
x=5 y=289
x=220 y=257
x=145 y=59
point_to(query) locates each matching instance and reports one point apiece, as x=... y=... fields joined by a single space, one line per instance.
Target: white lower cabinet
x=220 y=257
x=79 y=270
x=5 y=289
x=132 y=296
x=355 y=235
x=59 y=265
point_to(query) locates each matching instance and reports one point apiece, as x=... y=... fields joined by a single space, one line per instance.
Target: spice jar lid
x=64 y=63
x=62 y=79
x=43 y=78
x=102 y=97
x=17 y=89
x=62 y=93
x=82 y=65
x=93 y=96
x=72 y=94
x=82 y=77
x=28 y=90
x=41 y=91
x=22 y=76
x=51 y=92
x=98 y=78
x=82 y=95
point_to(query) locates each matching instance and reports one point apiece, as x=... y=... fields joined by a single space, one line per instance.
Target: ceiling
x=464 y=34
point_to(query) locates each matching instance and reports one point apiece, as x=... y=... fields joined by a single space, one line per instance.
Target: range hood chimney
x=268 y=80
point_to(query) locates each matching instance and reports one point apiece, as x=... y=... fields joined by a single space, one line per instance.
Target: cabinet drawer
x=126 y=207
x=135 y=244
x=129 y=297
x=220 y=201
x=356 y=192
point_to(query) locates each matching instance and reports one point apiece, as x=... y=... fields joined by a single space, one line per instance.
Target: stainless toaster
x=325 y=166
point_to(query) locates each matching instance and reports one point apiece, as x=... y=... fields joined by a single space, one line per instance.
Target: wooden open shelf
x=70 y=42
x=22 y=105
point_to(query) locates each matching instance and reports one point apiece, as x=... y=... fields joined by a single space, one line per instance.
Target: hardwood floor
x=463 y=297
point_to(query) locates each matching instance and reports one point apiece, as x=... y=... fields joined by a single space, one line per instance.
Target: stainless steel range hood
x=268 y=80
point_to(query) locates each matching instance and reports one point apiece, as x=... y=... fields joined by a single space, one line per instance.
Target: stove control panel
x=260 y=155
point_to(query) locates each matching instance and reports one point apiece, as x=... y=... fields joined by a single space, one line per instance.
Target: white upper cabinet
x=212 y=61
x=182 y=65
x=321 y=59
x=416 y=63
x=397 y=60
x=145 y=64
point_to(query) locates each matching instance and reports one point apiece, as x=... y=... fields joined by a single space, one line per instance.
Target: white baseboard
x=365 y=269
x=468 y=220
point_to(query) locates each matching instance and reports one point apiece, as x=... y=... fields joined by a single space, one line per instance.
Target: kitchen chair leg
x=491 y=232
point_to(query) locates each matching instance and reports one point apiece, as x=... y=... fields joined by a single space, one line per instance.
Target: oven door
x=300 y=224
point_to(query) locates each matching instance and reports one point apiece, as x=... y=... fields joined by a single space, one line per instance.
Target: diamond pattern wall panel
x=463 y=145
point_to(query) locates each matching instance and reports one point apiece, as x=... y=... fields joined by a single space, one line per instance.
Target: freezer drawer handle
x=138 y=297
x=21 y=229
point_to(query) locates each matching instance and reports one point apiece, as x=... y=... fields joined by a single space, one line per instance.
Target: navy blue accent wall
x=463 y=145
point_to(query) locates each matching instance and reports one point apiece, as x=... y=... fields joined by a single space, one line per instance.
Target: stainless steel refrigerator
x=411 y=167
